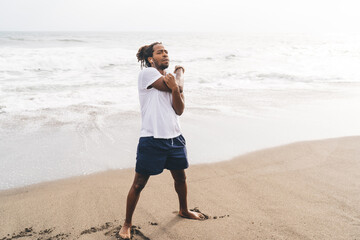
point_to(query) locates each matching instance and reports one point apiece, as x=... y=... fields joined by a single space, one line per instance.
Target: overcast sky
x=184 y=15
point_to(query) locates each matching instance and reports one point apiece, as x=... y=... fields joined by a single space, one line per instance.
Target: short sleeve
x=148 y=76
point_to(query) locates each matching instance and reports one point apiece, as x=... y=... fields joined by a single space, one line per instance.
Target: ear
x=150 y=60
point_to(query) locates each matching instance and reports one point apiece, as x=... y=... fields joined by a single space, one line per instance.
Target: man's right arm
x=160 y=85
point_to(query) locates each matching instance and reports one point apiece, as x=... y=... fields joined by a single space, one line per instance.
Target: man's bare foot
x=191 y=215
x=125 y=231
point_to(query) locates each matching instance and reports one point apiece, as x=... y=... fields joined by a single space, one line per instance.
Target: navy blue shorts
x=155 y=154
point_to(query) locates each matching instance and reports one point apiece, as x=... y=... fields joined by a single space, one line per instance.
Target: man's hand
x=170 y=82
x=179 y=71
x=179 y=68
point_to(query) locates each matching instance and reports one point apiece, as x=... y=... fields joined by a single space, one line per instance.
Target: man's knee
x=139 y=186
x=180 y=179
x=139 y=182
x=179 y=176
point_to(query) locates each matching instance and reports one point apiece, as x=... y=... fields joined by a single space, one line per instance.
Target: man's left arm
x=178 y=102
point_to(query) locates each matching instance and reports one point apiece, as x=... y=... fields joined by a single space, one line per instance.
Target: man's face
x=160 y=57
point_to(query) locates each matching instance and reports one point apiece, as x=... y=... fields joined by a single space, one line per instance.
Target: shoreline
x=44 y=183
x=275 y=193
x=101 y=143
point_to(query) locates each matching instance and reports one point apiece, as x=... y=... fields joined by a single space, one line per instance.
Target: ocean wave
x=25 y=39
x=2 y=109
x=70 y=40
x=13 y=73
x=295 y=78
x=74 y=114
x=47 y=70
x=198 y=59
x=226 y=57
x=35 y=39
x=281 y=76
x=109 y=66
x=17 y=39
x=43 y=88
x=37 y=70
x=230 y=56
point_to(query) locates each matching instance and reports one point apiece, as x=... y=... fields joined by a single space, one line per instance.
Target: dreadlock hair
x=145 y=52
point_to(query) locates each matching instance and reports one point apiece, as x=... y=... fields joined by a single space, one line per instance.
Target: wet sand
x=304 y=190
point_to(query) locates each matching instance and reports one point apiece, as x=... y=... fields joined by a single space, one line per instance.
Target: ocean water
x=69 y=103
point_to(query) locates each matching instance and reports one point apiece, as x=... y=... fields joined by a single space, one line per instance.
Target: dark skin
x=168 y=83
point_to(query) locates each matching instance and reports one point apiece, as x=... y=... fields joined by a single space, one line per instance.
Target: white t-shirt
x=157 y=114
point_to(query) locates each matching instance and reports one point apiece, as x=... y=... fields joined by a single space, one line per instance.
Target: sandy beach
x=304 y=190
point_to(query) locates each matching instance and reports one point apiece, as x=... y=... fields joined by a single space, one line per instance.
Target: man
x=161 y=144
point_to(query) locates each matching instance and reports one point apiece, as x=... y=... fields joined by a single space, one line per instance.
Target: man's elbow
x=179 y=112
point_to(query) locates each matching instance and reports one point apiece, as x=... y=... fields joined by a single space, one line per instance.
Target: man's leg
x=181 y=189
x=139 y=183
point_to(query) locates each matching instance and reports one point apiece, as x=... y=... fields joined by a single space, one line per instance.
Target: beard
x=163 y=66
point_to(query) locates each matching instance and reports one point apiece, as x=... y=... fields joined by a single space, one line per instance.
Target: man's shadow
x=166 y=228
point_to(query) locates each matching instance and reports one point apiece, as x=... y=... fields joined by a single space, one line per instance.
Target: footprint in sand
x=39 y=235
x=97 y=229
x=135 y=233
x=113 y=233
x=49 y=234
